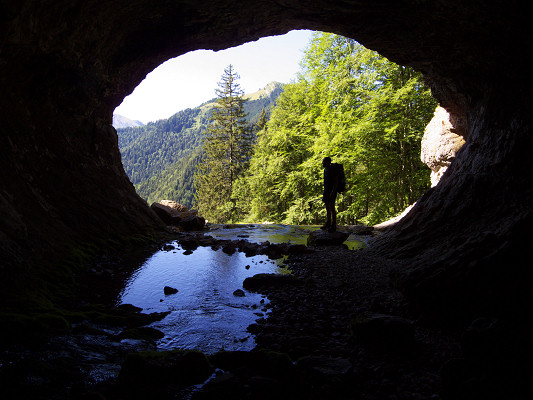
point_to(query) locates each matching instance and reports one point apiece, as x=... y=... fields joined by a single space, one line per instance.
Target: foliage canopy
x=360 y=109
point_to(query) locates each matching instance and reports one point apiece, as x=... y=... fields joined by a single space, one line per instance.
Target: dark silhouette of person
x=331 y=183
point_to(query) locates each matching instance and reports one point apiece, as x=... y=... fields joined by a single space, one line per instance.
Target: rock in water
x=324 y=238
x=254 y=283
x=169 y=290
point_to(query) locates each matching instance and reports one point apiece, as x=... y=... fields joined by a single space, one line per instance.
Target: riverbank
x=336 y=328
x=348 y=309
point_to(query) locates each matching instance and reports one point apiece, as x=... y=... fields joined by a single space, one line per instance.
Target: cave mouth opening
x=464 y=252
x=196 y=74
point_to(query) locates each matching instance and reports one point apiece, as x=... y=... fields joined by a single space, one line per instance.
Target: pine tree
x=227 y=148
x=262 y=121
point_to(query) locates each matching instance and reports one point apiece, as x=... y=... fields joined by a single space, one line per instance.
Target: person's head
x=326 y=162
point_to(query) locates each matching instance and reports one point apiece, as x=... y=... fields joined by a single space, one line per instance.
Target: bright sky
x=189 y=80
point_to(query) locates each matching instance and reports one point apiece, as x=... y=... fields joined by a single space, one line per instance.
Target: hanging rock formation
x=441 y=141
x=66 y=64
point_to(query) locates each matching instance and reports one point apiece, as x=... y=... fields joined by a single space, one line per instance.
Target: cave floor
x=319 y=317
x=313 y=320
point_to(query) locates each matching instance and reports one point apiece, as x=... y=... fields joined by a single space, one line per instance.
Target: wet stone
x=169 y=290
x=324 y=238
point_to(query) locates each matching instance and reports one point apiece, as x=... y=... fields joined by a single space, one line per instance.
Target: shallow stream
x=204 y=313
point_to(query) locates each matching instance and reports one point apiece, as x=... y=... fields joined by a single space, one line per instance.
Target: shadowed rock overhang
x=66 y=64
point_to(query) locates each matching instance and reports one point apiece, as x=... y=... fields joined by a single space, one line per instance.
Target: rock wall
x=66 y=64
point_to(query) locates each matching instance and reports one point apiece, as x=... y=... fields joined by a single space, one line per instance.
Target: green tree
x=357 y=107
x=161 y=157
x=261 y=121
x=227 y=147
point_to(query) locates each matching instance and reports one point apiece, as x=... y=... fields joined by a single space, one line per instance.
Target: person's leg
x=333 y=218
x=328 y=216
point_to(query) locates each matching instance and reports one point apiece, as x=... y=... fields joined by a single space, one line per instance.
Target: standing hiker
x=331 y=185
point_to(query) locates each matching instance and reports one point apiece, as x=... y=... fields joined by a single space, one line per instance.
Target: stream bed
x=205 y=313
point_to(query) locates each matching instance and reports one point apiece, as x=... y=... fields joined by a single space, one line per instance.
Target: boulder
x=258 y=281
x=174 y=205
x=191 y=222
x=175 y=214
x=189 y=242
x=324 y=238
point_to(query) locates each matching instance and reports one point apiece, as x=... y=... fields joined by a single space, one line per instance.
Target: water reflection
x=205 y=314
x=274 y=233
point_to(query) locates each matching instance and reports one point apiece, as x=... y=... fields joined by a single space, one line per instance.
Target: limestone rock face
x=440 y=142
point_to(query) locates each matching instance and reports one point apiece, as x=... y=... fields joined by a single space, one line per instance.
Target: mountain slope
x=119 y=121
x=160 y=158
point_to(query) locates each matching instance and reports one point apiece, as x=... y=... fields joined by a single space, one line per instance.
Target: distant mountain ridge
x=160 y=158
x=119 y=121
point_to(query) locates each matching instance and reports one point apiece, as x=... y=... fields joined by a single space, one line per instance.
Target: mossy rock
x=52 y=324
x=152 y=372
x=262 y=362
x=19 y=327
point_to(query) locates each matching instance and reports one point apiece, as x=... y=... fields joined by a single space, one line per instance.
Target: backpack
x=339 y=170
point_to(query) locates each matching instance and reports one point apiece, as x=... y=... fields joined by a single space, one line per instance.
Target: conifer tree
x=262 y=121
x=227 y=147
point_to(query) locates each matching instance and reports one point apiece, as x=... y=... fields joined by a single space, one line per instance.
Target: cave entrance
x=173 y=102
x=162 y=171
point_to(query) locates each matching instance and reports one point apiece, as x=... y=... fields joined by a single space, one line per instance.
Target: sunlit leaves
x=360 y=109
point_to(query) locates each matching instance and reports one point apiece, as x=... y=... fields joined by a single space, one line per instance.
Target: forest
x=358 y=108
x=161 y=157
x=348 y=103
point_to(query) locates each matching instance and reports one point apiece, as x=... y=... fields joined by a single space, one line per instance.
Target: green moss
x=51 y=324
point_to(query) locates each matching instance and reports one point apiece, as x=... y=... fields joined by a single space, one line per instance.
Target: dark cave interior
x=65 y=66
